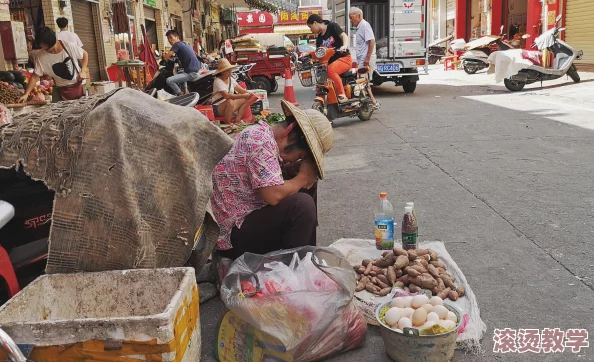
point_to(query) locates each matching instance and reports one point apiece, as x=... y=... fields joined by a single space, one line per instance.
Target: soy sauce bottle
x=410 y=229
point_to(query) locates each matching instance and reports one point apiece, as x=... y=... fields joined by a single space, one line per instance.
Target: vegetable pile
x=429 y=316
x=410 y=270
x=8 y=93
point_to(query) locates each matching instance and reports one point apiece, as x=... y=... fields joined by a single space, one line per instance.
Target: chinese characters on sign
x=254 y=18
x=285 y=17
x=549 y=340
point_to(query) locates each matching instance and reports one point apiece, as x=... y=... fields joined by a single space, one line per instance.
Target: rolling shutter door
x=82 y=15
x=149 y=13
x=579 y=21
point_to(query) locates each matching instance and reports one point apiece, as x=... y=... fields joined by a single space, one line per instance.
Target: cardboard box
x=101 y=87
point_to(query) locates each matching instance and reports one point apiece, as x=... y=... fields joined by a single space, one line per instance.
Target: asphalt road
x=504 y=180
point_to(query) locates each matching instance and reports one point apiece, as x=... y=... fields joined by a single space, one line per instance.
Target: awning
x=292 y=29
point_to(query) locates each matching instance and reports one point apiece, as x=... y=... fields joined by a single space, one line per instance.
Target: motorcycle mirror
x=501 y=29
x=561 y=29
x=558 y=18
x=157 y=53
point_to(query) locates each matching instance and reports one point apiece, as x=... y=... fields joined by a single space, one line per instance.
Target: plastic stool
x=449 y=63
x=7 y=272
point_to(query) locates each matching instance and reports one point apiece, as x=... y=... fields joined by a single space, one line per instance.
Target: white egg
x=406 y=313
x=398 y=303
x=436 y=301
x=432 y=317
x=428 y=307
x=392 y=316
x=441 y=311
x=404 y=323
x=452 y=317
x=419 y=300
x=419 y=317
x=407 y=302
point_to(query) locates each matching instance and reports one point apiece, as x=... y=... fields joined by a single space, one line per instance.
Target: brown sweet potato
x=374 y=280
x=413 y=272
x=399 y=285
x=376 y=269
x=382 y=284
x=399 y=273
x=368 y=269
x=385 y=253
x=383 y=278
x=372 y=273
x=412 y=254
x=433 y=271
x=444 y=293
x=424 y=281
x=401 y=262
x=448 y=281
x=365 y=262
x=414 y=288
x=461 y=292
x=421 y=252
x=385 y=291
x=358 y=277
x=424 y=263
x=433 y=254
x=434 y=291
x=440 y=285
x=400 y=251
x=453 y=295
x=362 y=283
x=421 y=269
x=438 y=264
x=392 y=275
x=404 y=279
x=426 y=257
x=372 y=288
x=385 y=272
x=386 y=261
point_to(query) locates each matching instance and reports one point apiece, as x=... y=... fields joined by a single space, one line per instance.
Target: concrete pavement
x=503 y=179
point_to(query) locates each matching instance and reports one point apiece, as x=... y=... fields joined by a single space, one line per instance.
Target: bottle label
x=384 y=233
x=409 y=239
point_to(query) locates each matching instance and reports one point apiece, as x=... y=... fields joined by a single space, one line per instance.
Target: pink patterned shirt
x=252 y=163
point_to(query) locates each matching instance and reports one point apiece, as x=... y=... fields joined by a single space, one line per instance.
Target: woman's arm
x=32 y=84
x=306 y=178
x=345 y=41
x=84 y=71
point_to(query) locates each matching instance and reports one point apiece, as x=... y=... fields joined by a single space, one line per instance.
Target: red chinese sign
x=254 y=18
x=285 y=17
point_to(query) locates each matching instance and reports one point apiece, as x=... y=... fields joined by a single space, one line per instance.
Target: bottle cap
x=411 y=204
x=383 y=195
x=407 y=210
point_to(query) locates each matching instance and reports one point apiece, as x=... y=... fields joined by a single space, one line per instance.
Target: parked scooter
x=565 y=56
x=356 y=86
x=436 y=51
x=478 y=51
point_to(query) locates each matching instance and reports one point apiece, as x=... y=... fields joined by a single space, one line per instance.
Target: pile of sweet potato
x=410 y=270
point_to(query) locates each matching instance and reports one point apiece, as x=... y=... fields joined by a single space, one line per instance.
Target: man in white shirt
x=65 y=34
x=364 y=40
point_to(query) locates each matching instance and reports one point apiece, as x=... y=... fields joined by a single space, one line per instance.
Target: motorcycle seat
x=349 y=73
x=202 y=75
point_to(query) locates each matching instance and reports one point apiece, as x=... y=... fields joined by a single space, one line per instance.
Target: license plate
x=388 y=68
x=306 y=75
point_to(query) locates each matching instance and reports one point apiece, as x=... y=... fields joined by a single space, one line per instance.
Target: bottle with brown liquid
x=409 y=229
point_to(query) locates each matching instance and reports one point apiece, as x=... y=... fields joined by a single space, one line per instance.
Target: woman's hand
x=343 y=48
x=23 y=98
x=308 y=171
x=246 y=95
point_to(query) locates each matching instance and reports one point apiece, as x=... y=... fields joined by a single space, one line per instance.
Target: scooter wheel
x=573 y=74
x=469 y=69
x=514 y=85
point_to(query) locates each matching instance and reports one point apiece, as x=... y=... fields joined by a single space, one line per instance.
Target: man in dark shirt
x=331 y=35
x=188 y=60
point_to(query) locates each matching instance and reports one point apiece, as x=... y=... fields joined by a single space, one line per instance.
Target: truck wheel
x=573 y=74
x=409 y=87
x=514 y=85
x=274 y=86
x=261 y=82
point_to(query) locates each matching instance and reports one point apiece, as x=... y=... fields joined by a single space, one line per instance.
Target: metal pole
x=11 y=349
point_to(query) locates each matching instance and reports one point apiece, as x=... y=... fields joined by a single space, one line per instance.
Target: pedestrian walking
x=364 y=40
x=62 y=60
x=188 y=60
x=66 y=34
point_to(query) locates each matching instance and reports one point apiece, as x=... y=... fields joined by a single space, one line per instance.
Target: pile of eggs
x=419 y=312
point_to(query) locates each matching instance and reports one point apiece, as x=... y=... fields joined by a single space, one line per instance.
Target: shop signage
x=247 y=19
x=152 y=3
x=300 y=17
x=215 y=13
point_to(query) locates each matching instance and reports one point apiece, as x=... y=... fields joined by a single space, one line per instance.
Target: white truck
x=400 y=28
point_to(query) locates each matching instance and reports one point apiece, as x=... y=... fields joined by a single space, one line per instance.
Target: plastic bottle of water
x=384 y=224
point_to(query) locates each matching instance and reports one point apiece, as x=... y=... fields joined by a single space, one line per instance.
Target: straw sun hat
x=317 y=130
x=224 y=65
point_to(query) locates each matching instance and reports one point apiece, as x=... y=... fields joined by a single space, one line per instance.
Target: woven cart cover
x=132 y=177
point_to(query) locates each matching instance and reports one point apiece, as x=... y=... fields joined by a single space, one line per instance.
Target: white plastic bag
x=278 y=277
x=164 y=95
x=313 y=278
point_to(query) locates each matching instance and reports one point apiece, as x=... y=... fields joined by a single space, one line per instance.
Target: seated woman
x=228 y=96
x=256 y=209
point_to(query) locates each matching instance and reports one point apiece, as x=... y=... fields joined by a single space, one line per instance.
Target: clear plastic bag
x=306 y=325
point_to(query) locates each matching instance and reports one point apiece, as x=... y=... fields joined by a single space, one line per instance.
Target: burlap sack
x=132 y=177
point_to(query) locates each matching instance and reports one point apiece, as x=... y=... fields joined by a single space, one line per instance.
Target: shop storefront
x=255 y=22
x=579 y=33
x=85 y=21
